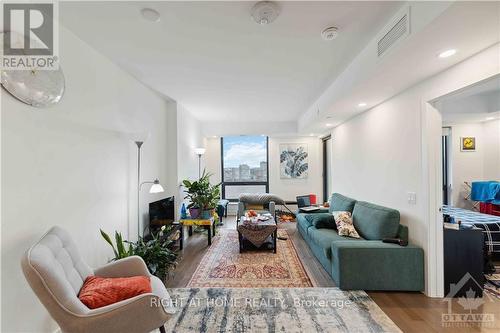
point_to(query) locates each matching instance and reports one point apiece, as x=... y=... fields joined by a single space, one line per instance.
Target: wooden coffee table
x=208 y=224
x=257 y=232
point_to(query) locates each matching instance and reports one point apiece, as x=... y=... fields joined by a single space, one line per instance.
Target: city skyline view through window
x=244 y=159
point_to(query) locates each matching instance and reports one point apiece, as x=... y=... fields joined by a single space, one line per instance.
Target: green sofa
x=366 y=263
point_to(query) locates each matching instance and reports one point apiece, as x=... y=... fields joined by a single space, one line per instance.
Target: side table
x=208 y=224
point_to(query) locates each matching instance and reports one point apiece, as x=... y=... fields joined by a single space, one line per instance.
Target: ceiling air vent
x=398 y=30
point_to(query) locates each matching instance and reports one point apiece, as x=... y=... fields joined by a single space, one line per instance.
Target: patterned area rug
x=276 y=310
x=224 y=266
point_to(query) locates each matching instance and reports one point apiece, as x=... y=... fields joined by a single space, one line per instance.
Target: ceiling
x=473 y=104
x=222 y=66
x=469 y=27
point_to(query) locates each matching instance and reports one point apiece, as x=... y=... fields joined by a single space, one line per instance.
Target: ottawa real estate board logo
x=470 y=306
x=29 y=38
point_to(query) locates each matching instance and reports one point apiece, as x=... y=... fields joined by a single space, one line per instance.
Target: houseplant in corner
x=158 y=252
x=202 y=196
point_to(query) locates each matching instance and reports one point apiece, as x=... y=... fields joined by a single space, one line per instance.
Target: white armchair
x=267 y=201
x=56 y=272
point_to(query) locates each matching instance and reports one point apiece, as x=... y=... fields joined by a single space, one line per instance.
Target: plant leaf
x=108 y=240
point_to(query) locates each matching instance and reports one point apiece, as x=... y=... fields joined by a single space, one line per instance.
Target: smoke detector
x=150 y=14
x=330 y=33
x=265 y=12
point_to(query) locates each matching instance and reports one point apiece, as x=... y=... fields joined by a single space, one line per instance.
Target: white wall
x=468 y=166
x=212 y=158
x=288 y=189
x=491 y=166
x=376 y=157
x=263 y=127
x=382 y=154
x=189 y=137
x=74 y=165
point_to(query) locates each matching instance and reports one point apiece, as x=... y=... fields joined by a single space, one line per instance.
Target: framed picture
x=293 y=161
x=468 y=143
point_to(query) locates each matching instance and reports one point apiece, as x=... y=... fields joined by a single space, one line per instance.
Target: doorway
x=444 y=156
x=471 y=116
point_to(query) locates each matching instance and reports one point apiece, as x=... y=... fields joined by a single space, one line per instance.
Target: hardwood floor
x=411 y=311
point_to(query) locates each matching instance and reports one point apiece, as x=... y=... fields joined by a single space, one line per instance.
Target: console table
x=208 y=224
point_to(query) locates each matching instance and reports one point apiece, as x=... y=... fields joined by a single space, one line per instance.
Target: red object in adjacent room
x=312 y=199
x=489 y=208
x=98 y=291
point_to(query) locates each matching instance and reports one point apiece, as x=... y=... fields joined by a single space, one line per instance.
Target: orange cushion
x=98 y=291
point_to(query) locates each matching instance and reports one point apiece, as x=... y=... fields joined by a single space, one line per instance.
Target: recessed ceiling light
x=150 y=14
x=329 y=125
x=490 y=118
x=312 y=134
x=447 y=53
x=361 y=104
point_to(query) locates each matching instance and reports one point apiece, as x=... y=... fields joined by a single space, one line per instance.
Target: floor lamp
x=155 y=187
x=199 y=152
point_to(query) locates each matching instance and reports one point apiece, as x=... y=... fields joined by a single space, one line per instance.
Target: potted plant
x=158 y=252
x=202 y=196
x=209 y=201
x=193 y=190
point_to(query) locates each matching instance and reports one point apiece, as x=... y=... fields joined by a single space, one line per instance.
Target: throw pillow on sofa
x=345 y=225
x=321 y=220
x=99 y=291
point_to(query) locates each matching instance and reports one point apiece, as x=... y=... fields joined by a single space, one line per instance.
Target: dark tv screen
x=161 y=212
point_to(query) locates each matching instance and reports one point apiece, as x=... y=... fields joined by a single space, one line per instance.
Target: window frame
x=224 y=183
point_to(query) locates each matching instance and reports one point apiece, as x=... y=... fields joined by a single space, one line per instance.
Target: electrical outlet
x=412 y=198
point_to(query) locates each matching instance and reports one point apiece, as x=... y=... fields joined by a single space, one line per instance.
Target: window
x=244 y=165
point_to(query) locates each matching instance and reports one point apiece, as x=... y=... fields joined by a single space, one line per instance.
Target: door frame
x=446 y=171
x=432 y=191
x=432 y=185
x=325 y=166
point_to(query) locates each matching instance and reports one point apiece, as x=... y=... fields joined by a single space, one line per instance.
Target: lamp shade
x=156 y=187
x=199 y=151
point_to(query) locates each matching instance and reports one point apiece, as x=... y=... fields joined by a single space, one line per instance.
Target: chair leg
x=162 y=329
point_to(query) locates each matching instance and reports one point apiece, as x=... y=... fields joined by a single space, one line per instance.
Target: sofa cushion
x=322 y=220
x=303 y=223
x=344 y=223
x=375 y=222
x=338 y=202
x=324 y=238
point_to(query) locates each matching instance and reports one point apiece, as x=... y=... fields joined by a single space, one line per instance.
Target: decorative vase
x=194 y=212
x=206 y=214
x=183 y=211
